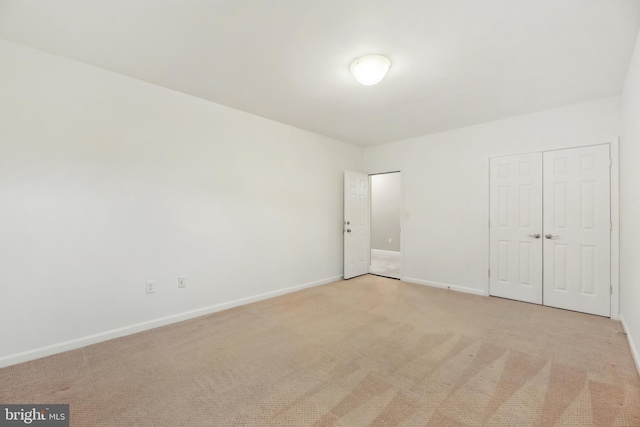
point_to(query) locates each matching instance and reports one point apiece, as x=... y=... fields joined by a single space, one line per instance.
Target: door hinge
x=489 y=272
x=610 y=162
x=610 y=226
x=489 y=223
x=610 y=289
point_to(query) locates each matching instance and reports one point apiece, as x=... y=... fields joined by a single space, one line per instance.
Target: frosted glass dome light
x=371 y=69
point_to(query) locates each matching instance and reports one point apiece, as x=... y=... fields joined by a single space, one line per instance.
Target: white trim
x=632 y=345
x=49 y=350
x=613 y=140
x=445 y=286
x=402 y=215
x=384 y=250
x=615 y=229
x=488 y=178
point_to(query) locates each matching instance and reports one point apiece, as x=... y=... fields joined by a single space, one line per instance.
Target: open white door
x=577 y=223
x=515 y=233
x=356 y=224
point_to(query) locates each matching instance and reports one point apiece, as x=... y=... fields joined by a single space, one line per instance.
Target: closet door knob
x=551 y=236
x=535 y=236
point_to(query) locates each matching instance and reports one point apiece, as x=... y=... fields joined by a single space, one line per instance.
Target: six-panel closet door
x=515 y=223
x=550 y=228
x=577 y=229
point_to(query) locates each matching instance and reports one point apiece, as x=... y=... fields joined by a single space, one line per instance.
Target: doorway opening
x=386 y=218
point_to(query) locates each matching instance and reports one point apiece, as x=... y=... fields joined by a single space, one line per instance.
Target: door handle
x=348 y=230
x=551 y=236
x=535 y=236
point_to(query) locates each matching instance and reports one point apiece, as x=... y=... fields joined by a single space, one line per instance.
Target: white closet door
x=515 y=215
x=577 y=266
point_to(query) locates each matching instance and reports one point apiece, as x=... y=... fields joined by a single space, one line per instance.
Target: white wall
x=106 y=182
x=630 y=203
x=445 y=179
x=386 y=208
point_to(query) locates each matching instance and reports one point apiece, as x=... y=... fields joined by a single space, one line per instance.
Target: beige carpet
x=368 y=351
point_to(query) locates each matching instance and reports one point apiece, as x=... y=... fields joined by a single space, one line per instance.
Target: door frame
x=615 y=215
x=402 y=217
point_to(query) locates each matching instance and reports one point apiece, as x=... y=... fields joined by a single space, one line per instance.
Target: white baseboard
x=444 y=286
x=49 y=350
x=386 y=251
x=632 y=345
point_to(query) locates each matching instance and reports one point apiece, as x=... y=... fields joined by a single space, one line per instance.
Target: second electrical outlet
x=182 y=282
x=151 y=286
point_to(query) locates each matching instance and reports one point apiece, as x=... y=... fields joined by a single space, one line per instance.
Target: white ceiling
x=455 y=62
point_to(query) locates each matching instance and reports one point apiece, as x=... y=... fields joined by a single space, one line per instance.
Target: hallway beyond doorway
x=385 y=263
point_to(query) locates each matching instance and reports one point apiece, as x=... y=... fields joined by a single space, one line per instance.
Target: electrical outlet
x=151 y=286
x=182 y=282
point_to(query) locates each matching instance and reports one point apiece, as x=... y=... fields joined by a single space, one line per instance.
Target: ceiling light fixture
x=369 y=70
